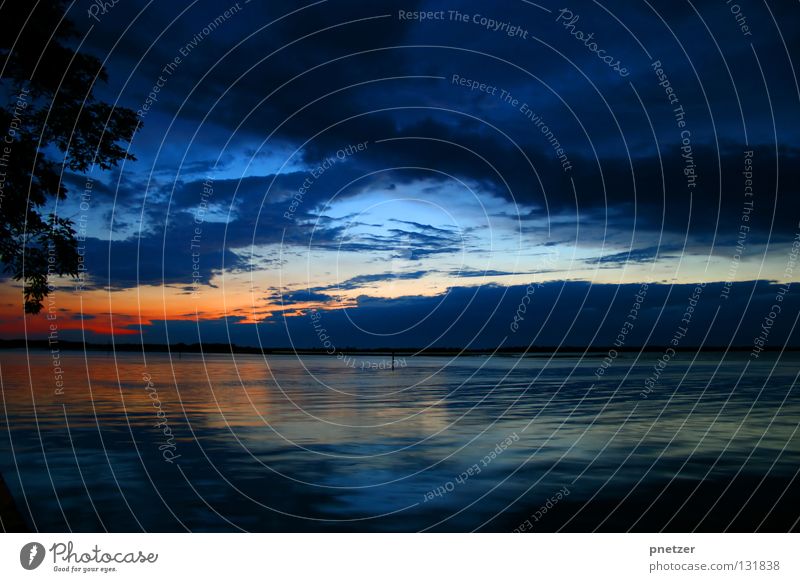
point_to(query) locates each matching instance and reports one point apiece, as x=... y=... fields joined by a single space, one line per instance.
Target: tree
x=50 y=107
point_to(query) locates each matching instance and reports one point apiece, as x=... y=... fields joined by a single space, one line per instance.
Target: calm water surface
x=471 y=443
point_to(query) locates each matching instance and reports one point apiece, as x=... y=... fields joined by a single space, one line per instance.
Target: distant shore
x=221 y=348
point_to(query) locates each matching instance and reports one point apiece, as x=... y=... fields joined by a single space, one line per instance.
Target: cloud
x=304 y=296
x=469 y=273
x=643 y=255
x=559 y=313
x=364 y=280
x=82 y=316
x=168 y=259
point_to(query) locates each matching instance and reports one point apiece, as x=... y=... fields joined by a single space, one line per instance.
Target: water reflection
x=288 y=443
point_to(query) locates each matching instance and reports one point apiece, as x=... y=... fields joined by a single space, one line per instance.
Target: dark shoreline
x=221 y=348
x=11 y=520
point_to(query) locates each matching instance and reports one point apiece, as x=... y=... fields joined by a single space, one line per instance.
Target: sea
x=130 y=442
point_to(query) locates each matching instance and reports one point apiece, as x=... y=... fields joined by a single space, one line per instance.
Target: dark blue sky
x=408 y=177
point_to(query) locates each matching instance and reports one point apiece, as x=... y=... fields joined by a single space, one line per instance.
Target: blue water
x=289 y=443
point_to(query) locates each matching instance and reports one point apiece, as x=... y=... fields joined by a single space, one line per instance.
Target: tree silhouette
x=50 y=108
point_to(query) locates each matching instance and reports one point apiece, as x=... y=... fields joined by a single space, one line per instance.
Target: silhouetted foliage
x=50 y=106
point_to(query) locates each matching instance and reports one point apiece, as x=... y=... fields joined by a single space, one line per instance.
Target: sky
x=468 y=174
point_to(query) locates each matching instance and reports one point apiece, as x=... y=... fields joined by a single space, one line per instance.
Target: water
x=307 y=443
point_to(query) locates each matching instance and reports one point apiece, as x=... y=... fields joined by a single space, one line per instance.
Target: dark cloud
x=82 y=316
x=559 y=313
x=599 y=116
x=645 y=255
x=363 y=280
x=303 y=296
x=469 y=273
x=154 y=260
